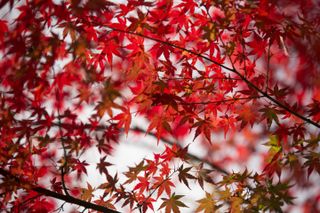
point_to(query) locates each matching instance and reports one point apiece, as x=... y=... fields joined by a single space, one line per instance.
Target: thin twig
x=191 y=156
x=63 y=168
x=137 y=129
x=221 y=101
x=233 y=70
x=268 y=67
x=201 y=78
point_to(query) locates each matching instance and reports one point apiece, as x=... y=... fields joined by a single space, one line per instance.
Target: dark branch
x=191 y=156
x=137 y=129
x=66 y=198
x=233 y=70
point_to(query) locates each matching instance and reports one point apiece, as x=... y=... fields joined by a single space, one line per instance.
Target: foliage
x=241 y=77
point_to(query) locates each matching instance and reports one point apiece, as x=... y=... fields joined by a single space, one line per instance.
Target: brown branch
x=233 y=70
x=138 y=129
x=191 y=156
x=49 y=193
x=201 y=78
x=222 y=101
x=268 y=66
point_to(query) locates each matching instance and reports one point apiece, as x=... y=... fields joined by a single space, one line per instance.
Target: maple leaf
x=107 y=203
x=160 y=124
x=202 y=126
x=42 y=205
x=80 y=167
x=163 y=184
x=3 y=29
x=236 y=204
x=274 y=154
x=152 y=167
x=203 y=175
x=166 y=99
x=102 y=165
x=110 y=48
x=313 y=162
x=143 y=184
x=109 y=94
x=124 y=119
x=270 y=114
x=184 y=175
x=314 y=110
x=146 y=202
x=246 y=115
x=87 y=193
x=133 y=172
x=165 y=170
x=172 y=204
x=97 y=5
x=110 y=185
x=206 y=204
x=169 y=153
x=258 y=46
x=224 y=194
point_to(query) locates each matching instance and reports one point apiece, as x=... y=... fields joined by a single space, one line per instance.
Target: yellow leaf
x=224 y=195
x=207 y=204
x=236 y=204
x=87 y=193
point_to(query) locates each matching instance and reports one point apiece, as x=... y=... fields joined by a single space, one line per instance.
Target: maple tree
x=241 y=77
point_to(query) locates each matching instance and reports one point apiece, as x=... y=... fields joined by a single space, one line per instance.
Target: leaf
x=133 y=172
x=107 y=203
x=312 y=162
x=172 y=204
x=236 y=204
x=109 y=49
x=124 y=119
x=258 y=46
x=203 y=126
x=206 y=204
x=314 y=110
x=163 y=184
x=3 y=29
x=203 y=175
x=109 y=95
x=87 y=193
x=246 y=115
x=273 y=165
x=224 y=194
x=161 y=125
x=270 y=114
x=102 y=165
x=166 y=99
x=143 y=184
x=184 y=175
x=80 y=167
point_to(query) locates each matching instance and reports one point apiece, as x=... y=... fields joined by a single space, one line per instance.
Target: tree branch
x=233 y=70
x=191 y=156
x=138 y=129
x=66 y=198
